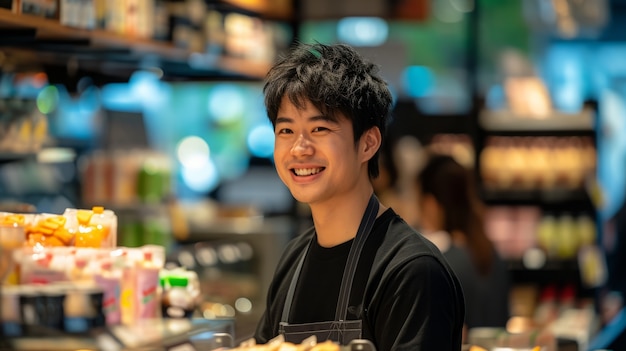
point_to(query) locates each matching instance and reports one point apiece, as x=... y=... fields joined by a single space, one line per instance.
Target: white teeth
x=306 y=171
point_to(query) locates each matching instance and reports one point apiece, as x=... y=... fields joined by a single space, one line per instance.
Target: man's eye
x=320 y=129
x=284 y=131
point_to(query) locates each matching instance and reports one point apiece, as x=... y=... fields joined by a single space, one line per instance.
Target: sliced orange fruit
x=84 y=216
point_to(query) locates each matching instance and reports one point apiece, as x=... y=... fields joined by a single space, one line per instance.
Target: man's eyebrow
x=323 y=118
x=310 y=119
x=283 y=120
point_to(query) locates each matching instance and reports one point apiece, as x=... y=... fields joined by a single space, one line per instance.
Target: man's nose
x=301 y=146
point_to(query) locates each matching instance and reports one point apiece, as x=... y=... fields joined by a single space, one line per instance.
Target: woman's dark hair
x=452 y=186
x=334 y=78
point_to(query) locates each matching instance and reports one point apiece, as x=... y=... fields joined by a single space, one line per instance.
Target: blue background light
x=362 y=31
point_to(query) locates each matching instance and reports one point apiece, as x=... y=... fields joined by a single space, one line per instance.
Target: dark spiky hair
x=335 y=79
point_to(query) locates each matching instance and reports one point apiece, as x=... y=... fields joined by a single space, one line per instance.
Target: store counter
x=166 y=335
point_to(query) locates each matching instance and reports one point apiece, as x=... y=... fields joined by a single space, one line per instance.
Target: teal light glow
x=261 y=141
x=75 y=117
x=418 y=81
x=118 y=97
x=145 y=87
x=232 y=161
x=362 y=31
x=226 y=104
x=201 y=179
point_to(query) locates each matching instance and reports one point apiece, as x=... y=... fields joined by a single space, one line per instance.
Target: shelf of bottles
x=192 y=32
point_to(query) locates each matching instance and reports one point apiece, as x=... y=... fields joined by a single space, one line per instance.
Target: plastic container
x=48 y=230
x=110 y=280
x=40 y=266
x=147 y=299
x=95 y=228
x=177 y=301
x=12 y=237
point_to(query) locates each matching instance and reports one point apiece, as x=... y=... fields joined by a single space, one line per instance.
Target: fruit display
x=12 y=219
x=93 y=228
x=12 y=230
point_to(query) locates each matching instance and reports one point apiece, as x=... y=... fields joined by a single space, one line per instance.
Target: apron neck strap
x=365 y=227
x=367 y=222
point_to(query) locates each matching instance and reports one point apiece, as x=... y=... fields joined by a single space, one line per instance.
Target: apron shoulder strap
x=365 y=227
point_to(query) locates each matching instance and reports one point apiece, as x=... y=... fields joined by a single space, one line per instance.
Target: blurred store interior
x=154 y=110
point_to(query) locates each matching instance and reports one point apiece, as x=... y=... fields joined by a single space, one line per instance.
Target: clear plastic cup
x=12 y=237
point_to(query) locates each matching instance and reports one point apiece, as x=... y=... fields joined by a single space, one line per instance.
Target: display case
x=162 y=334
x=234 y=259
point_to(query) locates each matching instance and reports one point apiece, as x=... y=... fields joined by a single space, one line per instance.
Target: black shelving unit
x=8 y=157
x=549 y=200
x=554 y=271
x=554 y=201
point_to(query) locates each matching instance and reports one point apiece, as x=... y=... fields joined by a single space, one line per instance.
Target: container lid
x=178 y=281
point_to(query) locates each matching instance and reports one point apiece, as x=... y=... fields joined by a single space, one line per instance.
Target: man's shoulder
x=295 y=246
x=402 y=239
x=403 y=246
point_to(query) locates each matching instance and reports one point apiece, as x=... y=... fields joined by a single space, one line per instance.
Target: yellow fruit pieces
x=13 y=219
x=84 y=216
x=49 y=231
x=43 y=240
x=325 y=346
x=89 y=234
x=53 y=230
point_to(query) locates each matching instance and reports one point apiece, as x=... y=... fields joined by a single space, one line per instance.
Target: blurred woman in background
x=400 y=161
x=451 y=216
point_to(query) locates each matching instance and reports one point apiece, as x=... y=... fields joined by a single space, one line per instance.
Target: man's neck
x=340 y=222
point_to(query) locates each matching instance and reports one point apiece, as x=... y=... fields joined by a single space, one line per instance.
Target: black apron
x=340 y=330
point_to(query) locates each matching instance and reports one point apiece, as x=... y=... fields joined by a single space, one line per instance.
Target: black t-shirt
x=404 y=291
x=317 y=291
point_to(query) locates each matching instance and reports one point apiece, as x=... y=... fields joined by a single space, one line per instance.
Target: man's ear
x=370 y=142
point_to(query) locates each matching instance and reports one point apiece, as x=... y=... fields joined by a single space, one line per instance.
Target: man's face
x=315 y=156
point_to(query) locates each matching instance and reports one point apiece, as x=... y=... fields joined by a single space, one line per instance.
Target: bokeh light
x=232 y=161
x=202 y=179
x=48 y=99
x=362 y=31
x=226 y=103
x=193 y=152
x=261 y=141
x=243 y=305
x=418 y=81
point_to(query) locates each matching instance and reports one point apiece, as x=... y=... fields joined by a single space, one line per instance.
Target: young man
x=361 y=272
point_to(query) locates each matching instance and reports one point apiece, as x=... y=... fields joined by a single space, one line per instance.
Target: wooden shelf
x=548 y=195
x=551 y=265
x=556 y=122
x=576 y=200
x=99 y=41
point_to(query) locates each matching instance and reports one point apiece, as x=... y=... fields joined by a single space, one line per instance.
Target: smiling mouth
x=303 y=172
